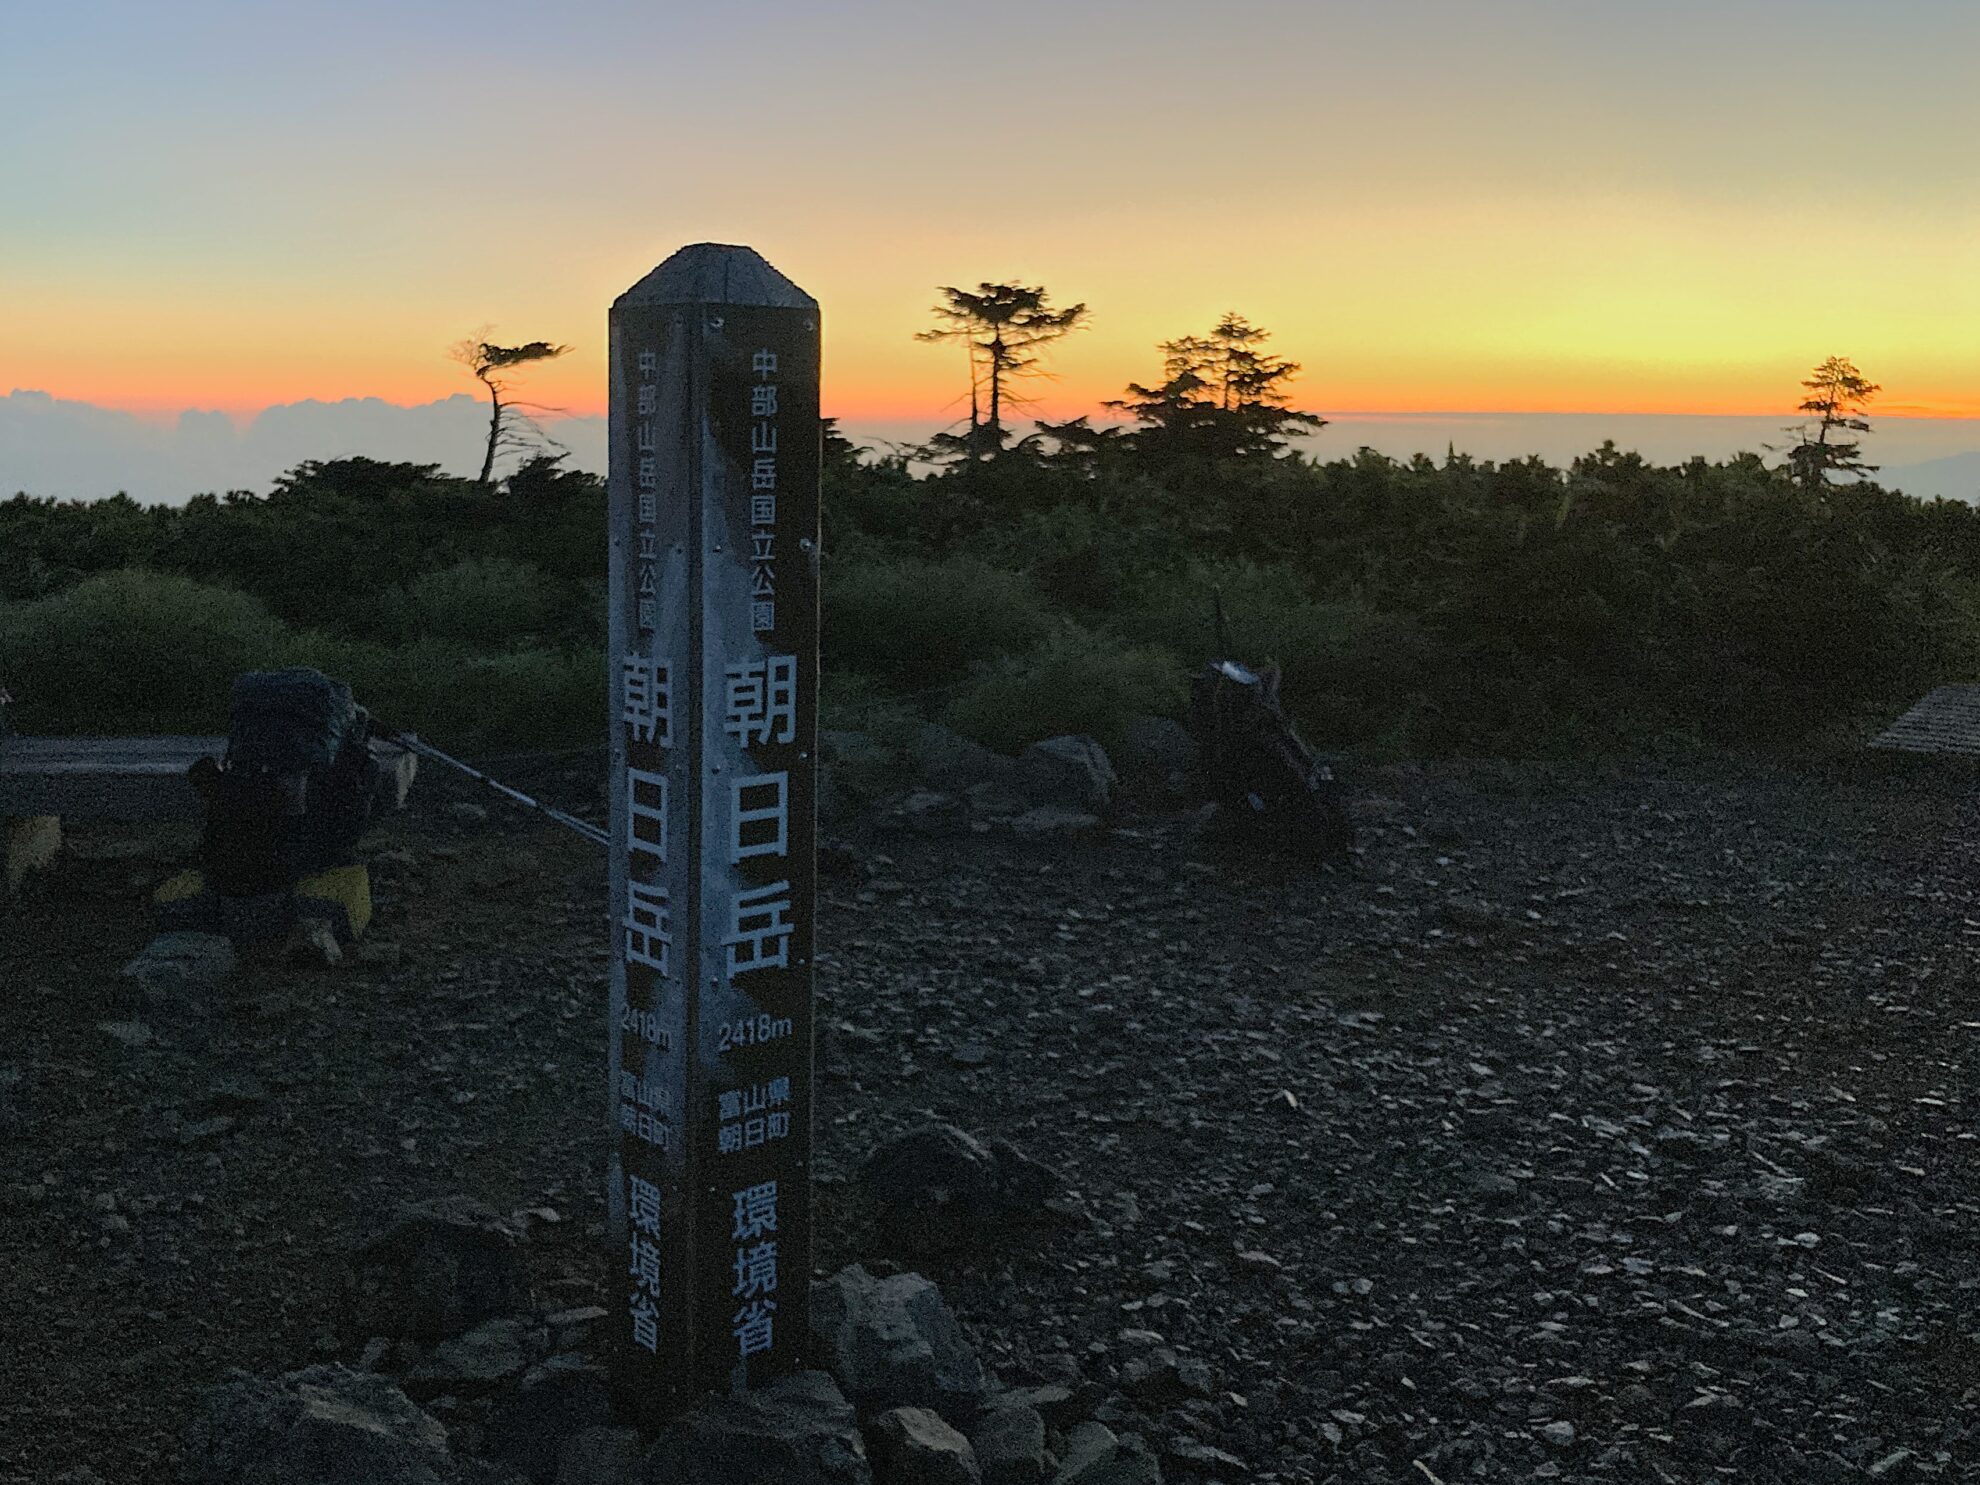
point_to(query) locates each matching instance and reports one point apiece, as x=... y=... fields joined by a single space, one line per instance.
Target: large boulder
x=486 y=1359
x=938 y=1187
x=1009 y=1440
x=948 y=761
x=1154 y=757
x=798 y=1430
x=893 y=1343
x=912 y=1446
x=1094 y=1456
x=558 y=1400
x=437 y=1269
x=326 y=1425
x=1069 y=773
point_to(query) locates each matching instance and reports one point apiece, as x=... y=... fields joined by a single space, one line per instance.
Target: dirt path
x=1604 y=1124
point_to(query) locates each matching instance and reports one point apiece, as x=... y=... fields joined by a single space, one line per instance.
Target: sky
x=1526 y=206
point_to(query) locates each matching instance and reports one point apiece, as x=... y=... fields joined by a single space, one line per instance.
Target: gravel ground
x=1603 y=1123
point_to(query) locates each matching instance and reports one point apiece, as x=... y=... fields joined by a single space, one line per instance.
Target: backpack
x=1255 y=764
x=294 y=791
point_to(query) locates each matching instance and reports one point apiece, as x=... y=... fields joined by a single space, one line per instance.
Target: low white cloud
x=73 y=450
x=78 y=450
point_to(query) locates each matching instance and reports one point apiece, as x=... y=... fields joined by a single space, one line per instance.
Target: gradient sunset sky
x=1572 y=205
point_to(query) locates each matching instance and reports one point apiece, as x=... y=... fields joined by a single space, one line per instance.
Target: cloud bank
x=76 y=450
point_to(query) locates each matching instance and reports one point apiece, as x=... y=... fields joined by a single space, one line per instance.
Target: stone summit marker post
x=715 y=451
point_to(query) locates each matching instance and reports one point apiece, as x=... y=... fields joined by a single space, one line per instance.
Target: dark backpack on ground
x=1255 y=765
x=294 y=792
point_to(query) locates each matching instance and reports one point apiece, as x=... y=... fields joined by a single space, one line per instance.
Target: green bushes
x=135 y=652
x=1415 y=607
x=918 y=623
x=483 y=602
x=1076 y=682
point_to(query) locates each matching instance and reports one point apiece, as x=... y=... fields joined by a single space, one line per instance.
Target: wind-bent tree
x=1222 y=397
x=1837 y=396
x=509 y=427
x=1004 y=326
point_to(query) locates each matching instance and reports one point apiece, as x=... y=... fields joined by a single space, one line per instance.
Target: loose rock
x=436 y=1270
x=1009 y=1440
x=326 y=1425
x=912 y=1446
x=893 y=1343
x=798 y=1430
x=181 y=971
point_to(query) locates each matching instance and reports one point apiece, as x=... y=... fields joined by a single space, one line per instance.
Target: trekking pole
x=412 y=744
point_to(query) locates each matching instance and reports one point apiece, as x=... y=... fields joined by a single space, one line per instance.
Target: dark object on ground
x=939 y=1188
x=892 y=1343
x=295 y=789
x=326 y=1425
x=1252 y=762
x=798 y=1430
x=438 y=1269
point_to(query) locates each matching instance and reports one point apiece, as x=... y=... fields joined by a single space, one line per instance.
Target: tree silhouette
x=508 y=426
x=1222 y=397
x=1837 y=395
x=1003 y=326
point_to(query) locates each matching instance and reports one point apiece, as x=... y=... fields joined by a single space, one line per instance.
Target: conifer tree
x=1837 y=396
x=1004 y=326
x=1222 y=397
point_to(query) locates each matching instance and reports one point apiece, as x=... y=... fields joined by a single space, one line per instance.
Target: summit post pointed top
x=717 y=273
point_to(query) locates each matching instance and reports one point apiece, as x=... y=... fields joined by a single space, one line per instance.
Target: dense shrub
x=1077 y=682
x=1415 y=606
x=133 y=651
x=139 y=652
x=484 y=602
x=919 y=623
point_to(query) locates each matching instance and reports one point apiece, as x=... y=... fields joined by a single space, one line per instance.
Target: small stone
x=912 y=1446
x=1203 y=1457
x=1152 y=1375
x=466 y=812
x=1559 y=1433
x=237 y=1092
x=311 y=943
x=178 y=970
x=1046 y=821
x=130 y=1033
x=970 y=1054
x=203 y=1130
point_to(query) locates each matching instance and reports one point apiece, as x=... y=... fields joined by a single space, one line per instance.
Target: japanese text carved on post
x=714 y=654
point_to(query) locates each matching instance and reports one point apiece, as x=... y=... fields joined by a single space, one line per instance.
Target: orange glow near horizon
x=226 y=217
